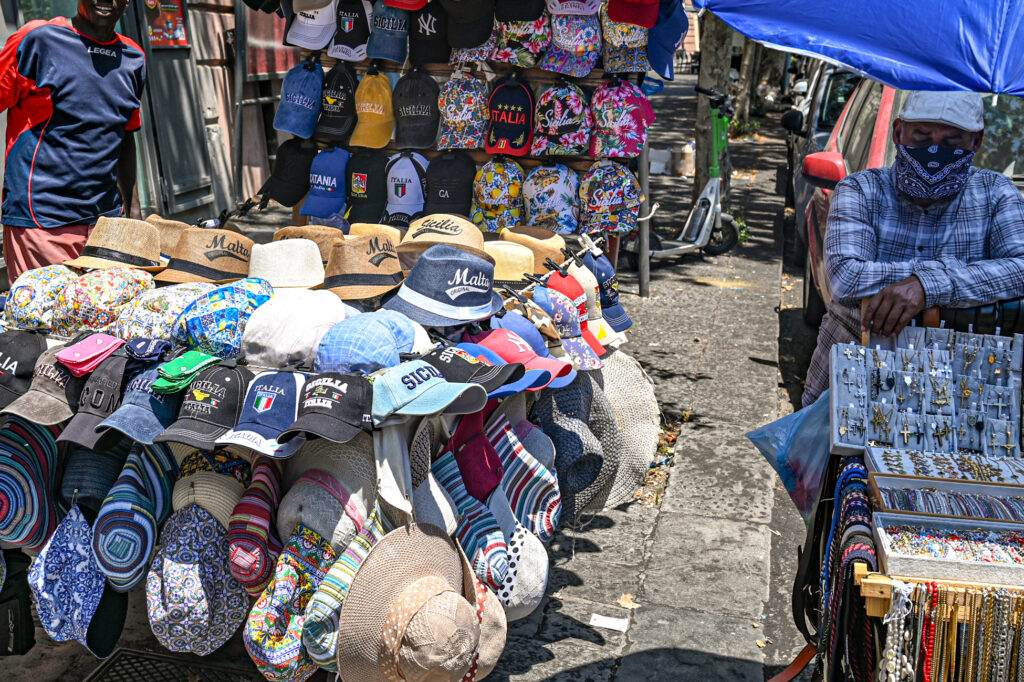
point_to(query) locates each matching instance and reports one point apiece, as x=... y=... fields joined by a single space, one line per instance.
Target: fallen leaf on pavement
x=761 y=643
x=626 y=602
x=755 y=625
x=776 y=532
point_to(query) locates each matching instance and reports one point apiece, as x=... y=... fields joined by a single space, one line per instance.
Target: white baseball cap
x=964 y=110
x=289 y=327
x=313 y=27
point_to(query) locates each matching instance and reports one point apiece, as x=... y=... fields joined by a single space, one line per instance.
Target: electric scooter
x=707 y=228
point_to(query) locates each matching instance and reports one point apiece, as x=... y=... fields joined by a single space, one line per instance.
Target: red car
x=862 y=139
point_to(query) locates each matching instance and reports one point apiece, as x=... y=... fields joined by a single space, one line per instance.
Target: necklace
x=941 y=397
x=895 y=665
x=969 y=356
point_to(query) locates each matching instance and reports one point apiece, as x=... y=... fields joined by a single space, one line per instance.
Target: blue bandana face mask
x=931 y=172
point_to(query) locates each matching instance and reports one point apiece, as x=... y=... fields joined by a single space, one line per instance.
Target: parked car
x=862 y=138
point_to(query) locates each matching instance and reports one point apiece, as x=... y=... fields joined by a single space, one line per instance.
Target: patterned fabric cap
x=522 y=42
x=219 y=462
x=618 y=34
x=610 y=198
x=561 y=61
x=480 y=53
x=551 y=195
x=463 y=102
x=194 y=603
x=576 y=34
x=32 y=299
x=497 y=202
x=93 y=301
x=622 y=115
x=564 y=121
x=273 y=631
x=154 y=314
x=214 y=322
x=624 y=59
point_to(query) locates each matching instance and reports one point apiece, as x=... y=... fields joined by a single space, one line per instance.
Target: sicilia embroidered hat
x=333 y=406
x=211 y=407
x=440 y=228
x=208 y=255
x=362 y=267
x=417 y=388
x=52 y=396
x=120 y=242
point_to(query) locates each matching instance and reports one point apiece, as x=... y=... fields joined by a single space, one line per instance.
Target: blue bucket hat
x=271 y=406
x=665 y=38
x=447 y=287
x=365 y=343
x=532 y=380
x=389 y=37
x=417 y=388
x=215 y=321
x=521 y=326
x=144 y=413
x=614 y=314
x=301 y=94
x=326 y=184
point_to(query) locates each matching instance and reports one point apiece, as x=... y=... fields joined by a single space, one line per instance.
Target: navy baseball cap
x=326 y=184
x=532 y=379
x=144 y=413
x=367 y=186
x=271 y=406
x=614 y=314
x=516 y=323
x=299 y=110
x=510 y=117
x=665 y=38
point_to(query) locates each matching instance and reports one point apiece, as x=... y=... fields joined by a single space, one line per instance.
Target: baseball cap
x=551 y=198
x=312 y=28
x=144 y=413
x=326 y=183
x=610 y=198
x=518 y=10
x=352 y=30
x=53 y=395
x=522 y=42
x=365 y=343
x=406 y=185
x=563 y=313
x=289 y=181
x=497 y=199
x=390 y=33
x=338 y=107
x=517 y=323
x=470 y=22
x=19 y=351
x=450 y=184
x=428 y=35
x=416 y=112
x=963 y=110
x=286 y=330
x=270 y=406
x=622 y=115
x=334 y=406
x=574 y=291
x=367 y=182
x=513 y=348
x=575 y=44
x=578 y=7
x=375 y=117
x=510 y=117
x=665 y=38
x=299 y=108
x=637 y=12
x=459 y=366
x=531 y=380
x=417 y=388
x=101 y=395
x=211 y=407
x=608 y=284
x=463 y=103
x=301 y=5
x=564 y=121
x=604 y=333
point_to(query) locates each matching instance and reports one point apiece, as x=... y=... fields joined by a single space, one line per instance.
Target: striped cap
x=253 y=545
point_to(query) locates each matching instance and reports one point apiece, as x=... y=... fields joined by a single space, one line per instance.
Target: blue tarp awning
x=911 y=44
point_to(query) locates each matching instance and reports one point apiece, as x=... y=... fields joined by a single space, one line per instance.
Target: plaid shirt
x=966 y=251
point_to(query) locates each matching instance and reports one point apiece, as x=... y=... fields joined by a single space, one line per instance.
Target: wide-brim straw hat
x=216 y=493
x=411 y=613
x=202 y=255
x=323 y=235
x=120 y=242
x=169 y=230
x=544 y=244
x=512 y=262
x=362 y=267
x=441 y=228
x=395 y=234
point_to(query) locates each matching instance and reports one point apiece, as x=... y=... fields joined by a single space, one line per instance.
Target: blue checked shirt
x=966 y=251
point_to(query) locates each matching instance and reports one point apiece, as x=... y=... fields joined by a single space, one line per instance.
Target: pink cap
x=513 y=348
x=478 y=461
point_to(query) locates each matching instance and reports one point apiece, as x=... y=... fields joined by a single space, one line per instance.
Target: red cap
x=478 y=461
x=512 y=348
x=638 y=12
x=568 y=285
x=413 y=5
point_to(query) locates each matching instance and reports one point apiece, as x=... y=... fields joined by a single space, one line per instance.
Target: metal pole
x=644 y=250
x=241 y=68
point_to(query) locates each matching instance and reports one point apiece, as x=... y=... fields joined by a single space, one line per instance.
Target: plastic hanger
x=514 y=294
x=535 y=279
x=552 y=265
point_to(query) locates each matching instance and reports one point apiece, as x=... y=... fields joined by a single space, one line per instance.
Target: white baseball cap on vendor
x=964 y=110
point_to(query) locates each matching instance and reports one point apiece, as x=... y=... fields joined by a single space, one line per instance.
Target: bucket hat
x=217 y=493
x=497 y=195
x=95 y=300
x=19 y=351
x=365 y=343
x=273 y=630
x=530 y=486
x=289 y=181
x=332 y=490
x=33 y=297
x=119 y=243
x=323 y=235
x=536 y=443
x=53 y=395
x=543 y=242
x=271 y=405
x=289 y=263
x=211 y=407
x=417 y=388
x=90 y=474
x=215 y=321
x=28 y=471
x=375 y=120
x=143 y=413
x=526 y=580
x=208 y=255
x=414 y=607
x=70 y=592
x=286 y=330
x=333 y=406
x=566 y=320
x=362 y=267
x=447 y=287
x=194 y=603
x=511 y=263
x=170 y=231
x=154 y=314
x=100 y=397
x=441 y=228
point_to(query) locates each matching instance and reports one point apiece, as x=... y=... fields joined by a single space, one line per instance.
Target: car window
x=858 y=143
x=837 y=93
x=850 y=121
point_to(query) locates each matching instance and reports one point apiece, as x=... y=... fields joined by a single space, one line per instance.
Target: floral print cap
x=463 y=102
x=32 y=299
x=622 y=114
x=564 y=121
x=551 y=195
x=610 y=198
x=94 y=301
x=497 y=199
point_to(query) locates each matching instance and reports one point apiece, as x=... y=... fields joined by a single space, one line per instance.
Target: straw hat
x=170 y=231
x=411 y=613
x=440 y=228
x=208 y=256
x=373 y=229
x=544 y=244
x=361 y=267
x=289 y=263
x=216 y=493
x=323 y=235
x=511 y=262
x=118 y=242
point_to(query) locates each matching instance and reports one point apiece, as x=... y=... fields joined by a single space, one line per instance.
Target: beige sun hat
x=511 y=262
x=543 y=243
x=203 y=255
x=395 y=234
x=362 y=267
x=170 y=231
x=322 y=235
x=214 y=492
x=411 y=613
x=120 y=242
x=288 y=264
x=441 y=228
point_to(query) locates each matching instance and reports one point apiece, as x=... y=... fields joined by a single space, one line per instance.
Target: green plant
x=738 y=129
x=741 y=225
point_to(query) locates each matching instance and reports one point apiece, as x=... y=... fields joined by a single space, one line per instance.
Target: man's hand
x=892 y=308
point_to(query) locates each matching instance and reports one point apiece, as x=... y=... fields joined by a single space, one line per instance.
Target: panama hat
x=208 y=256
x=543 y=243
x=322 y=235
x=116 y=242
x=169 y=230
x=362 y=267
x=395 y=234
x=512 y=262
x=216 y=493
x=289 y=263
x=441 y=228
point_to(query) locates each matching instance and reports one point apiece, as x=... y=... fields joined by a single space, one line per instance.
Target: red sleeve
x=134 y=123
x=14 y=84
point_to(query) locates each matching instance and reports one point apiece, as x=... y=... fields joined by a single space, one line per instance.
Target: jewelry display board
x=960 y=466
x=907 y=495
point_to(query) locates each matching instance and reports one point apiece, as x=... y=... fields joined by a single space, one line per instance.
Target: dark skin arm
x=126 y=174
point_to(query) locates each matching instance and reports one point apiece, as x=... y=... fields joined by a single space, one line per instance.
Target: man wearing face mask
x=930 y=230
